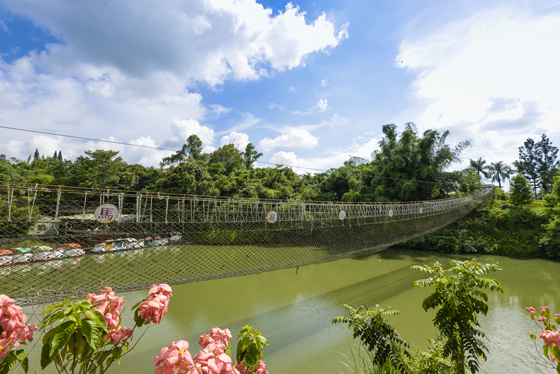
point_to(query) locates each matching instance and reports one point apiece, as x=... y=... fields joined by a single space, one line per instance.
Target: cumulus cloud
x=320 y=107
x=492 y=77
x=239 y=140
x=183 y=128
x=201 y=40
x=332 y=159
x=127 y=69
x=294 y=138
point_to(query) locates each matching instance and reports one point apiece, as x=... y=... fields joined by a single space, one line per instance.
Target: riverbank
x=498 y=229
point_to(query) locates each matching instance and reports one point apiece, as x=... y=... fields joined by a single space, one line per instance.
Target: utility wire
x=84 y=138
x=175 y=150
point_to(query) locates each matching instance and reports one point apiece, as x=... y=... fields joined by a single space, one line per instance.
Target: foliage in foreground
x=215 y=355
x=458 y=300
x=378 y=336
x=549 y=334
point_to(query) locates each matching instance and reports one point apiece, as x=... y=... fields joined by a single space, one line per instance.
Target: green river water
x=294 y=310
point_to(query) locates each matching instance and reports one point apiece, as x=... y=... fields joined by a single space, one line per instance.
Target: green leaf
x=135 y=305
x=20 y=354
x=96 y=317
x=25 y=364
x=61 y=336
x=46 y=358
x=93 y=333
x=116 y=352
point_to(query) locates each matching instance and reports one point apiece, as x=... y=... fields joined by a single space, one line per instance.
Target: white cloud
x=324 y=82
x=294 y=138
x=276 y=106
x=219 y=110
x=123 y=69
x=332 y=159
x=198 y=40
x=492 y=77
x=183 y=128
x=239 y=140
x=320 y=107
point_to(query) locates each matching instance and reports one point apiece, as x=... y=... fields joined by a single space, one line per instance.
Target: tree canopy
x=408 y=166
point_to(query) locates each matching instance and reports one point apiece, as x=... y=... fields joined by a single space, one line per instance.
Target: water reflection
x=295 y=311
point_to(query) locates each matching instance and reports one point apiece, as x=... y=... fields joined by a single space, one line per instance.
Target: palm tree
x=480 y=167
x=499 y=172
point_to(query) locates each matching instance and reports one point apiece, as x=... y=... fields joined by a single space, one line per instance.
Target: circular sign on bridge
x=391 y=213
x=272 y=216
x=420 y=210
x=106 y=213
x=342 y=215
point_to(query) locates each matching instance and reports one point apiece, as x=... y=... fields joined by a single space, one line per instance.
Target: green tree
x=226 y=159
x=519 y=191
x=410 y=168
x=60 y=156
x=36 y=155
x=480 y=167
x=528 y=163
x=458 y=300
x=251 y=155
x=99 y=168
x=191 y=149
x=547 y=163
x=556 y=186
x=499 y=172
x=537 y=162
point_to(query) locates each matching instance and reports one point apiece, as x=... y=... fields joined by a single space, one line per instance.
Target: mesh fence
x=54 y=241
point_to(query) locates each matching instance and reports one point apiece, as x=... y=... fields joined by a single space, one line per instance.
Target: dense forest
x=408 y=166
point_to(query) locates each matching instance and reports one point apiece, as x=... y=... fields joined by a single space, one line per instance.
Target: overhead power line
x=84 y=138
x=176 y=150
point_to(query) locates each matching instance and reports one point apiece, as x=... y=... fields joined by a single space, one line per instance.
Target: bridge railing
x=54 y=242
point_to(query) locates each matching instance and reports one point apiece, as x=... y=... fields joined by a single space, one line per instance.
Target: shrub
x=520 y=191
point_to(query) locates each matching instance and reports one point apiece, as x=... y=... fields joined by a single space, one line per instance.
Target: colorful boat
x=43 y=253
x=21 y=255
x=5 y=257
x=72 y=250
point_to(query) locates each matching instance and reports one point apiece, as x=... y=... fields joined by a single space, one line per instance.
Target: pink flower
x=155 y=305
x=7 y=343
x=13 y=323
x=261 y=368
x=543 y=308
x=205 y=339
x=174 y=359
x=551 y=337
x=119 y=335
x=241 y=368
x=110 y=306
x=212 y=359
x=542 y=319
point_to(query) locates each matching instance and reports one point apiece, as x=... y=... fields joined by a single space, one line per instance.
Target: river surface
x=294 y=310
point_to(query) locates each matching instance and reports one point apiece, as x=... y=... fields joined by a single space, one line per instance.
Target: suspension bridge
x=58 y=241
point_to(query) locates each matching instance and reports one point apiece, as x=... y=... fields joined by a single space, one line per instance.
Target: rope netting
x=60 y=241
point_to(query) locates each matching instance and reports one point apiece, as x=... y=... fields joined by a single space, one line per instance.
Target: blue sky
x=309 y=83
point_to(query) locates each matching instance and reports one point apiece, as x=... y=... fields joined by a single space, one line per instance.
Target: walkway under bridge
x=60 y=241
